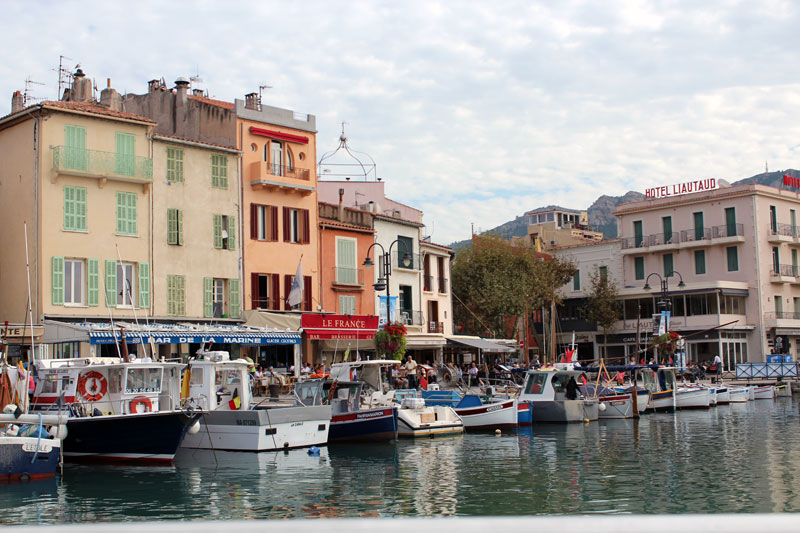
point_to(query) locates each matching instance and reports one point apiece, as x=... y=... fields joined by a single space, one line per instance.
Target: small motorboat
x=738 y=394
x=764 y=392
x=415 y=419
x=477 y=414
x=546 y=391
x=693 y=398
x=27 y=449
x=723 y=395
x=783 y=389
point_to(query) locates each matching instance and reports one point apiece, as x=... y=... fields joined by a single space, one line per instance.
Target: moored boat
x=783 y=389
x=548 y=391
x=764 y=392
x=477 y=414
x=693 y=398
x=738 y=394
x=28 y=451
x=415 y=419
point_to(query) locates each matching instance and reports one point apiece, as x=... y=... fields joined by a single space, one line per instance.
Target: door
x=276 y=156
x=699 y=233
x=638 y=234
x=730 y=221
x=433 y=317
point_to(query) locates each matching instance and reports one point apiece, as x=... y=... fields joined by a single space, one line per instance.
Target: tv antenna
x=64 y=75
x=26 y=96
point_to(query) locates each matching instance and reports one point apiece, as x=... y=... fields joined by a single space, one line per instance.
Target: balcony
x=414 y=264
x=781 y=233
x=784 y=319
x=435 y=327
x=280 y=178
x=663 y=241
x=442 y=285
x=727 y=233
x=101 y=165
x=692 y=238
x=411 y=318
x=266 y=303
x=783 y=274
x=348 y=277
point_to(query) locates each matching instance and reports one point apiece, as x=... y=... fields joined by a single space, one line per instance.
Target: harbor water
x=739 y=458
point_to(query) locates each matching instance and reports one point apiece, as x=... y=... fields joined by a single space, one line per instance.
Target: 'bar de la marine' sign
x=666 y=191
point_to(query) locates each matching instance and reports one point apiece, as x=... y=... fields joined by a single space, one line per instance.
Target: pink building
x=735 y=249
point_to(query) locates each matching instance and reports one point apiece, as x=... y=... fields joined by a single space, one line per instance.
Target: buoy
x=194 y=428
x=498 y=432
x=313 y=451
x=602 y=406
x=585 y=420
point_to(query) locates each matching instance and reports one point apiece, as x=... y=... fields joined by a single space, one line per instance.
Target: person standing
x=718 y=365
x=411 y=372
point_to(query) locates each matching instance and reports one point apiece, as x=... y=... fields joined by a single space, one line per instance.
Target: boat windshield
x=536 y=382
x=140 y=380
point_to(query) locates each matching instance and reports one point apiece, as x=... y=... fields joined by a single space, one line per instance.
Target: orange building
x=345 y=234
x=279 y=204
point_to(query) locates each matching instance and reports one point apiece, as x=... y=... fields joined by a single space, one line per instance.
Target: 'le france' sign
x=666 y=191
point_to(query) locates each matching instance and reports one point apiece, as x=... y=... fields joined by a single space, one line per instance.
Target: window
x=427 y=279
x=701 y=304
x=730 y=222
x=296 y=225
x=442 y=278
x=75 y=208
x=667 y=225
x=346 y=271
x=125 y=158
x=638 y=267
x=276 y=156
x=74 y=282
x=776 y=261
x=603 y=272
x=731 y=305
x=219 y=171
x=699 y=262
x=576 y=281
x=773 y=219
x=795 y=265
x=405 y=245
x=176 y=295
x=778 y=306
x=126 y=213
x=733 y=258
x=699 y=230
x=265 y=291
x=796 y=307
x=793 y=221
x=126 y=285
x=224 y=232
x=175 y=165
x=263 y=222
x=668 y=265
x=144 y=285
x=347 y=305
x=406 y=304
x=638 y=234
x=218 y=297
x=75 y=144
x=174 y=226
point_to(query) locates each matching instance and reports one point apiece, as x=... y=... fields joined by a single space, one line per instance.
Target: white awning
x=481 y=344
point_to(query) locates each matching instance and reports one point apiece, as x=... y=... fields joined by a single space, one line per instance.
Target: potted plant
x=390 y=342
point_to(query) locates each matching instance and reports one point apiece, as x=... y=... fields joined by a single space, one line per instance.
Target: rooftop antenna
x=26 y=96
x=64 y=74
x=766 y=167
x=361 y=167
x=261 y=89
x=196 y=80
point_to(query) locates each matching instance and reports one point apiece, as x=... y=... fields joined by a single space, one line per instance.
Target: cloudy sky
x=473 y=111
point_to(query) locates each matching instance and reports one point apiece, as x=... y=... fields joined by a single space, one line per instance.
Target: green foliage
x=495 y=283
x=390 y=342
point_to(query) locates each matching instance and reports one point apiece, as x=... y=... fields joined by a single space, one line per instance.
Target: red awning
x=279 y=135
x=344 y=327
x=342 y=334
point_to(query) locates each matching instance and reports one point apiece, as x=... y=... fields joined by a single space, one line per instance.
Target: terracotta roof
x=210 y=101
x=92 y=107
x=354 y=209
x=437 y=245
x=166 y=137
x=342 y=225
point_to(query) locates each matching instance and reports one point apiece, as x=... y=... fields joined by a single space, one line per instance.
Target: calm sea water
x=737 y=458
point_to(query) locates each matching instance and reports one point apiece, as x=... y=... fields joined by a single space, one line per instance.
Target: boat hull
x=783 y=390
x=487 y=417
x=262 y=429
x=524 y=413
x=739 y=395
x=367 y=425
x=19 y=460
x=435 y=421
x=133 y=438
x=693 y=398
x=766 y=392
x=662 y=401
x=723 y=396
x=619 y=406
x=565 y=411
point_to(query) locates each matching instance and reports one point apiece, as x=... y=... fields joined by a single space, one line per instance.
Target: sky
x=474 y=112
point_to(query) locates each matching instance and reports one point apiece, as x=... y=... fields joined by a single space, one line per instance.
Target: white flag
x=295 y=297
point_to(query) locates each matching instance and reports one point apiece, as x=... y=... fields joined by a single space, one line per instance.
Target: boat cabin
x=377 y=390
x=549 y=385
x=218 y=384
x=662 y=379
x=343 y=396
x=106 y=386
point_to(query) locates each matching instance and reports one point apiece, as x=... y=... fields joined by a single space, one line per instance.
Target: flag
x=346 y=354
x=295 y=297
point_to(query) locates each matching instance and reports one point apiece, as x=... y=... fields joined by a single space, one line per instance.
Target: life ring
x=97 y=387
x=140 y=400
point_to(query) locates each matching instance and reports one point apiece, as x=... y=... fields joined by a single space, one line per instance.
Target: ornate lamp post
x=385 y=261
x=664 y=303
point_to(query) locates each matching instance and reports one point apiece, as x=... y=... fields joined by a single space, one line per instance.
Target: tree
x=603 y=307
x=495 y=283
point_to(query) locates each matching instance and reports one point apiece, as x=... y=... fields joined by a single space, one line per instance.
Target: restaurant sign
x=666 y=191
x=325 y=326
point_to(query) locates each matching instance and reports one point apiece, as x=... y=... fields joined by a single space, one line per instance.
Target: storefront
x=16 y=341
x=462 y=349
x=334 y=338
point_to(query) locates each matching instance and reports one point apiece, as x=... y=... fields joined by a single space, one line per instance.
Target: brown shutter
x=306 y=291
x=306 y=229
x=254 y=296
x=286 y=232
x=274 y=216
x=287 y=286
x=254 y=221
x=276 y=292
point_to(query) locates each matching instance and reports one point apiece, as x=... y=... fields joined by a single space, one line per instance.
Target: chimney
x=153 y=86
x=252 y=101
x=81 y=87
x=181 y=99
x=341 y=205
x=110 y=98
x=197 y=92
x=17 y=103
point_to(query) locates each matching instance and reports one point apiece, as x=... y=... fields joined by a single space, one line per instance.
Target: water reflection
x=735 y=458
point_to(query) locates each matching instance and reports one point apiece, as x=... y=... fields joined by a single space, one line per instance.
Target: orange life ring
x=95 y=389
x=140 y=400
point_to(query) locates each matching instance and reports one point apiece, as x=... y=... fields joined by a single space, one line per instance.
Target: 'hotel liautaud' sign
x=665 y=191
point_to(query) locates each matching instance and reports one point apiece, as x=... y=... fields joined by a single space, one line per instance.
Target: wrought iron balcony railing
x=443 y=285
x=787 y=230
x=727 y=230
x=411 y=318
x=100 y=163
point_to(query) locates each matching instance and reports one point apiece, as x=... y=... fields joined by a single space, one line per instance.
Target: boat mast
x=32 y=355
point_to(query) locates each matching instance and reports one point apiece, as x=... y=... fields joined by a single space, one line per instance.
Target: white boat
x=723 y=395
x=693 y=398
x=764 y=392
x=661 y=386
x=220 y=389
x=615 y=402
x=546 y=391
x=415 y=419
x=783 y=390
x=739 y=394
x=477 y=414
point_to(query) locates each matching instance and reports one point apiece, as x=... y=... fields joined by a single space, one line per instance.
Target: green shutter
x=171 y=295
x=144 y=285
x=699 y=230
x=75 y=141
x=217 y=231
x=180 y=296
x=235 y=305
x=231 y=233
x=668 y=264
x=638 y=234
x=172 y=226
x=639 y=267
x=180 y=227
x=93 y=282
x=219 y=171
x=75 y=208
x=69 y=208
x=667 y=222
x=126 y=213
x=730 y=221
x=175 y=165
x=125 y=154
x=346 y=261
x=58 y=280
x=132 y=226
x=576 y=281
x=111 y=283
x=208 y=297
x=699 y=262
x=733 y=259
x=80 y=208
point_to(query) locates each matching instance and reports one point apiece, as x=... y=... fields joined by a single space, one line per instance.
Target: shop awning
x=422 y=341
x=107 y=337
x=482 y=344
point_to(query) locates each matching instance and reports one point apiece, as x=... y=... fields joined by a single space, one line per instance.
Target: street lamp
x=385 y=260
x=664 y=304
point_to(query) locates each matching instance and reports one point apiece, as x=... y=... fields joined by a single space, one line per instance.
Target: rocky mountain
x=600 y=216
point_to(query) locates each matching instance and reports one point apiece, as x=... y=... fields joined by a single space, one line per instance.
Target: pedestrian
x=473 y=375
x=718 y=364
x=411 y=372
